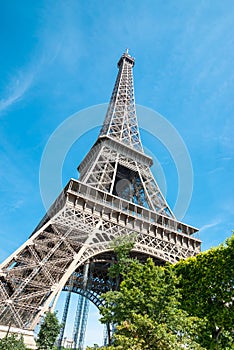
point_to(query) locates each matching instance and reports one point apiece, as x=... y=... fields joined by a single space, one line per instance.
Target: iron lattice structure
x=116 y=195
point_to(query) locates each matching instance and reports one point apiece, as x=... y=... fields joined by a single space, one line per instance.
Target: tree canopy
x=207 y=287
x=188 y=305
x=12 y=342
x=147 y=311
x=48 y=332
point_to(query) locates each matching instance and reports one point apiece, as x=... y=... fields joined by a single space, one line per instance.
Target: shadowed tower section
x=116 y=195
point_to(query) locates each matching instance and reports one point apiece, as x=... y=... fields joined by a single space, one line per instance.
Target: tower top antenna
x=126 y=56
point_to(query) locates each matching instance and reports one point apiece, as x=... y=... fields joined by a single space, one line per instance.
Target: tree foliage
x=12 y=342
x=184 y=306
x=122 y=246
x=147 y=311
x=48 y=332
x=207 y=285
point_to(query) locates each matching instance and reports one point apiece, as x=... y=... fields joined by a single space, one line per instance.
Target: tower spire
x=121 y=122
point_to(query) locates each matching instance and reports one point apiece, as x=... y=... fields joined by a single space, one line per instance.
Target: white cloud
x=207 y=226
x=58 y=39
x=16 y=88
x=215 y=170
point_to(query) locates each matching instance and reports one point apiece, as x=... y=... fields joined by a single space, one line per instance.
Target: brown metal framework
x=115 y=195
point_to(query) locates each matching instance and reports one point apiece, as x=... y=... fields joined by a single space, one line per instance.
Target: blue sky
x=60 y=57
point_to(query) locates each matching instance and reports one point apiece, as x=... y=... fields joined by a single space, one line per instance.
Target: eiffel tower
x=116 y=195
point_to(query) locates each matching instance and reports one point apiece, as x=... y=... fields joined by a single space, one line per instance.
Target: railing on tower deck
x=78 y=189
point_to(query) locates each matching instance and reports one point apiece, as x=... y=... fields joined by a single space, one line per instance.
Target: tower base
x=28 y=336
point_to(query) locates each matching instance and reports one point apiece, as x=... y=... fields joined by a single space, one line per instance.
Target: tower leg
x=80 y=311
x=76 y=328
x=64 y=318
x=84 y=320
x=105 y=335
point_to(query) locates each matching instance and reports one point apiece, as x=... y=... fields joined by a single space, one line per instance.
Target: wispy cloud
x=16 y=88
x=215 y=170
x=62 y=39
x=208 y=226
x=225 y=158
x=59 y=39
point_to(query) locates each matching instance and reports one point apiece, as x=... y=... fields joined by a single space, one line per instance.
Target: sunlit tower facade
x=116 y=195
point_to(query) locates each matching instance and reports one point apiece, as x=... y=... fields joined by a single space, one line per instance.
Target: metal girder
x=104 y=170
x=121 y=122
x=80 y=231
x=89 y=214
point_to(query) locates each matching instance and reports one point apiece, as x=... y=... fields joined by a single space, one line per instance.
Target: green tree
x=147 y=311
x=48 y=332
x=12 y=342
x=207 y=286
x=121 y=246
